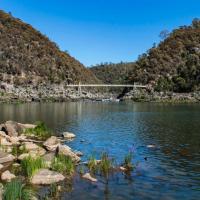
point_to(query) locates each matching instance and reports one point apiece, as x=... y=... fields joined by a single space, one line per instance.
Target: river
x=169 y=171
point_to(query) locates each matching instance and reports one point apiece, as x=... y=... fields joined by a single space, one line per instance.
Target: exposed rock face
x=7 y=176
x=5 y=157
x=46 y=177
x=65 y=150
x=68 y=135
x=89 y=177
x=51 y=143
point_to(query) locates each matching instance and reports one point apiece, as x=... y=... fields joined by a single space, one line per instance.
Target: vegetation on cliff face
x=28 y=57
x=172 y=65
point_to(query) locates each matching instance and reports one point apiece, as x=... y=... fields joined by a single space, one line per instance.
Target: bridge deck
x=106 y=85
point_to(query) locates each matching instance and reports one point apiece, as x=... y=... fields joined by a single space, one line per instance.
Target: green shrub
x=63 y=164
x=31 y=165
x=41 y=131
x=16 y=190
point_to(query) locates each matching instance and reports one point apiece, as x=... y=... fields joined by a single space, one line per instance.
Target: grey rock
x=89 y=177
x=51 y=143
x=7 y=176
x=65 y=150
x=5 y=157
x=68 y=135
x=46 y=177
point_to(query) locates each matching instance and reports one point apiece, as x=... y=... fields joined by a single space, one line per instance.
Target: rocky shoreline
x=48 y=93
x=29 y=154
x=159 y=97
x=60 y=93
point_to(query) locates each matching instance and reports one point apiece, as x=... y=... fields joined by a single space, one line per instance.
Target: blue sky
x=95 y=31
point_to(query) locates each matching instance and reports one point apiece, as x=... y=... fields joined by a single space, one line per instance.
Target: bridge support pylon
x=79 y=89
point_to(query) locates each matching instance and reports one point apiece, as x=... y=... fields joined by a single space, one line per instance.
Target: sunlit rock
x=46 y=177
x=89 y=177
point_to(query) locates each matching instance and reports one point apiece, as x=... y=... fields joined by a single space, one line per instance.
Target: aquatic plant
x=106 y=164
x=63 y=164
x=17 y=190
x=41 y=131
x=81 y=170
x=128 y=161
x=92 y=164
x=54 y=191
x=31 y=165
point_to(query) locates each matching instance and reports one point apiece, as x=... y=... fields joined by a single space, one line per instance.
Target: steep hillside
x=28 y=57
x=173 y=65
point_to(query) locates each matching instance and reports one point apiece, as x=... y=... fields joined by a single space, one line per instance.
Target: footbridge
x=134 y=86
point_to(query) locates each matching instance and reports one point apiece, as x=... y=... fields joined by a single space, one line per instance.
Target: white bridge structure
x=134 y=86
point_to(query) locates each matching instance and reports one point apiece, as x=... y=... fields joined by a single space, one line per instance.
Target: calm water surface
x=171 y=171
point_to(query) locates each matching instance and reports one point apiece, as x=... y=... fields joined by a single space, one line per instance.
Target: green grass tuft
x=16 y=190
x=16 y=150
x=63 y=164
x=106 y=164
x=128 y=162
x=40 y=131
x=92 y=164
x=31 y=165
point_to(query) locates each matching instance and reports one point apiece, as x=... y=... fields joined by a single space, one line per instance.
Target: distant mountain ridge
x=28 y=57
x=112 y=73
x=172 y=65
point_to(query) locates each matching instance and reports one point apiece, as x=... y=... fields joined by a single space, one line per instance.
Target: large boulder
x=33 y=148
x=46 y=177
x=11 y=128
x=68 y=135
x=51 y=143
x=65 y=150
x=5 y=157
x=7 y=176
x=30 y=146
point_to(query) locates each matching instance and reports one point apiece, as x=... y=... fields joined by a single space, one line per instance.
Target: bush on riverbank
x=17 y=190
x=32 y=165
x=40 y=131
x=63 y=164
